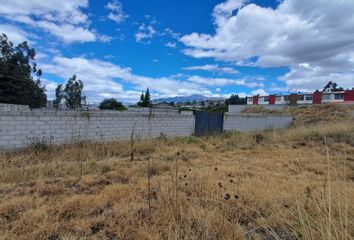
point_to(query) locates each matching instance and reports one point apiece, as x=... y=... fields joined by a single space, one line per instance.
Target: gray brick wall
x=249 y=122
x=4 y=107
x=20 y=129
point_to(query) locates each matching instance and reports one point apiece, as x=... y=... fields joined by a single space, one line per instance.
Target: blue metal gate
x=208 y=123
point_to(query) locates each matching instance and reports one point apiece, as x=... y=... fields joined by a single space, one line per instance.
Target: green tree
x=72 y=93
x=59 y=95
x=327 y=86
x=145 y=100
x=111 y=104
x=332 y=87
x=17 y=69
x=142 y=98
x=235 y=100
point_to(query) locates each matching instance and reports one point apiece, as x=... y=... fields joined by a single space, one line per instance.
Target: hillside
x=312 y=114
x=295 y=183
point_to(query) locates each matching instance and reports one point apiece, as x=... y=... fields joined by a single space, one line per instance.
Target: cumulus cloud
x=61 y=18
x=68 y=33
x=213 y=68
x=102 y=79
x=96 y=75
x=260 y=92
x=169 y=32
x=117 y=14
x=105 y=38
x=61 y=10
x=14 y=34
x=145 y=32
x=224 y=81
x=171 y=44
x=315 y=39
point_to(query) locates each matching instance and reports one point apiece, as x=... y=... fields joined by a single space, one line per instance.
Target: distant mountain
x=191 y=98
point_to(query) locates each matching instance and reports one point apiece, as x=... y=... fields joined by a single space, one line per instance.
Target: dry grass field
x=295 y=183
x=313 y=114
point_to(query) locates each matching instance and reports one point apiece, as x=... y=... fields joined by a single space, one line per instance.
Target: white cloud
x=279 y=89
x=297 y=33
x=260 y=92
x=60 y=10
x=105 y=38
x=102 y=79
x=305 y=78
x=96 y=75
x=171 y=44
x=116 y=13
x=223 y=82
x=41 y=56
x=61 y=18
x=68 y=33
x=14 y=34
x=50 y=86
x=213 y=68
x=171 y=33
x=145 y=32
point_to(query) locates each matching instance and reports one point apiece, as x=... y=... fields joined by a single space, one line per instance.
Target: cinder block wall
x=13 y=107
x=20 y=129
x=249 y=122
x=235 y=109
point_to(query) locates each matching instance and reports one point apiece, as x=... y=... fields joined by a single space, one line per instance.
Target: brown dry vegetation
x=295 y=183
x=312 y=114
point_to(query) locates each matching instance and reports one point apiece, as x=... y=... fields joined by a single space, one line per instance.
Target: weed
x=229 y=189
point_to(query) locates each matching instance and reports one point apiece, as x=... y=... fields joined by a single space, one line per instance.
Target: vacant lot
x=312 y=114
x=295 y=183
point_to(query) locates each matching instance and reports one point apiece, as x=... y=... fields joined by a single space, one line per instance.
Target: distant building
x=318 y=97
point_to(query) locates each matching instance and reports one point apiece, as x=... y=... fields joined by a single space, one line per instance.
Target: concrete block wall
x=20 y=129
x=4 y=107
x=250 y=122
x=235 y=109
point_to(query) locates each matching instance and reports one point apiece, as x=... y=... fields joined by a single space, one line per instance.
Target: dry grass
x=295 y=183
x=312 y=114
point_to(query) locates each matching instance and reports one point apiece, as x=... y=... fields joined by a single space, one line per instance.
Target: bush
x=111 y=104
x=259 y=138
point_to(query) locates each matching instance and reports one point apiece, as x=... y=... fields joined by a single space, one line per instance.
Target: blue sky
x=184 y=47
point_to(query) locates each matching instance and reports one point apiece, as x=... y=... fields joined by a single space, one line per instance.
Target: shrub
x=259 y=138
x=111 y=104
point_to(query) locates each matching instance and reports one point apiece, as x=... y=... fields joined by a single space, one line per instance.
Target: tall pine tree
x=145 y=100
